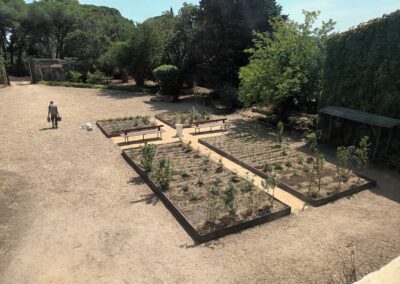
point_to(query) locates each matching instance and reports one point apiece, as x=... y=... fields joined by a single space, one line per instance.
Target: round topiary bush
x=168 y=79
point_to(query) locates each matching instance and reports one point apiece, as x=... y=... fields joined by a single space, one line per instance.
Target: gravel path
x=73 y=211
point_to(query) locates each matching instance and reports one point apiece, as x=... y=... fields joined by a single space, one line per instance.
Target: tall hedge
x=362 y=68
x=168 y=78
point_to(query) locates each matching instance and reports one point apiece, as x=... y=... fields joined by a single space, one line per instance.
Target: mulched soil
x=291 y=166
x=200 y=186
x=117 y=125
x=185 y=118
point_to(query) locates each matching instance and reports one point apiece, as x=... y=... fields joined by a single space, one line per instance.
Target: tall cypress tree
x=225 y=32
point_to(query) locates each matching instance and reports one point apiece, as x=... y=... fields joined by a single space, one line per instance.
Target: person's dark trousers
x=54 y=120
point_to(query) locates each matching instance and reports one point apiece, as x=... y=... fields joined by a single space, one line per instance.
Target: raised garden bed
x=207 y=199
x=114 y=127
x=293 y=168
x=185 y=118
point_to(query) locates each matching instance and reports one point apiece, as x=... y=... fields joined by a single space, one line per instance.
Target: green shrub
x=148 y=155
x=163 y=174
x=267 y=168
x=74 y=76
x=229 y=198
x=95 y=78
x=168 y=79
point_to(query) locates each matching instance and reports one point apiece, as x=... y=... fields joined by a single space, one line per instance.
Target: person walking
x=53 y=115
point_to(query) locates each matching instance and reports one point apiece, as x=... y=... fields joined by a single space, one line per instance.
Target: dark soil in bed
x=113 y=127
x=291 y=166
x=200 y=189
x=185 y=118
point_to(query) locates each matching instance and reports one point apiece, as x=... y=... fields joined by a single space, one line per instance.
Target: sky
x=347 y=13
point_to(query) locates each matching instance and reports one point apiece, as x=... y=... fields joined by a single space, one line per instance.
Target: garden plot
x=114 y=127
x=297 y=171
x=209 y=200
x=185 y=118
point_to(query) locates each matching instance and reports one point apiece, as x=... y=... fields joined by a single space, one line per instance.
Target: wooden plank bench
x=157 y=129
x=210 y=123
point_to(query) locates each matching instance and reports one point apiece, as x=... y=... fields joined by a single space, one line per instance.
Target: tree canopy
x=286 y=66
x=226 y=31
x=58 y=29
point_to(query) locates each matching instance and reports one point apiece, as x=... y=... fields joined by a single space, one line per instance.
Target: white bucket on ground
x=89 y=126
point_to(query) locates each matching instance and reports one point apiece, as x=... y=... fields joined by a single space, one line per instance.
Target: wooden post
x=330 y=127
x=389 y=140
x=377 y=144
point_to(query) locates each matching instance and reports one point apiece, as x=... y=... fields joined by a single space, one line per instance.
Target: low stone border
x=312 y=201
x=198 y=238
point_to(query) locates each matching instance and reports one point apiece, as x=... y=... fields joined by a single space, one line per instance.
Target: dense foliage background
x=362 y=67
x=285 y=68
x=57 y=29
x=206 y=41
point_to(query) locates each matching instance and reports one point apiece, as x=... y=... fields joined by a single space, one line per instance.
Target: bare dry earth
x=73 y=211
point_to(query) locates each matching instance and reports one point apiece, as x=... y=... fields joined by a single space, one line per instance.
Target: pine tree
x=226 y=31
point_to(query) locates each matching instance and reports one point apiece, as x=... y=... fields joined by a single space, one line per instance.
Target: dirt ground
x=73 y=211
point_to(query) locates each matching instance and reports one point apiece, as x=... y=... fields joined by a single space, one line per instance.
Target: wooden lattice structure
x=376 y=122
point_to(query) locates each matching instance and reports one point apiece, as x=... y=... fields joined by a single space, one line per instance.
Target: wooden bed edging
x=198 y=238
x=98 y=123
x=157 y=116
x=312 y=201
x=104 y=131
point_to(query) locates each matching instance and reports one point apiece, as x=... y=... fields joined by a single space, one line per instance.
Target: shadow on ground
x=141 y=141
x=122 y=95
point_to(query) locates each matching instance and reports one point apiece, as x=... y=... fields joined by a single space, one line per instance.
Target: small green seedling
x=342 y=163
x=246 y=185
x=278 y=134
x=267 y=168
x=214 y=190
x=163 y=174
x=200 y=180
x=278 y=167
x=229 y=198
x=194 y=196
x=184 y=174
x=185 y=187
x=269 y=185
x=361 y=156
x=148 y=154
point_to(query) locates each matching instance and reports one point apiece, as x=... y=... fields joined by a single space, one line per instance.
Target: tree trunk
x=11 y=47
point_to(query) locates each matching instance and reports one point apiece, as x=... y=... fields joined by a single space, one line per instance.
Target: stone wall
x=54 y=69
